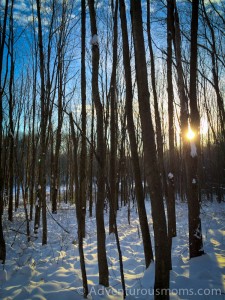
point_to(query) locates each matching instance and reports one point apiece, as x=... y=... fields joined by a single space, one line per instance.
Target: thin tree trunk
x=171 y=212
x=159 y=138
x=150 y=158
x=11 y=126
x=79 y=214
x=133 y=143
x=113 y=150
x=120 y=260
x=190 y=151
x=24 y=193
x=43 y=126
x=101 y=245
x=2 y=46
x=91 y=155
x=195 y=231
x=33 y=164
x=55 y=174
x=83 y=156
x=60 y=55
x=171 y=187
x=180 y=79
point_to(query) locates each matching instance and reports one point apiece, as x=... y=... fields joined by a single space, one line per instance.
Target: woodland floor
x=52 y=272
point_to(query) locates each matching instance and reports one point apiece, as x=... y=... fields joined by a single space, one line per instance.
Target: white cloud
x=21 y=6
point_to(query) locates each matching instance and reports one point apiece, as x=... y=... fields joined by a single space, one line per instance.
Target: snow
x=52 y=272
x=193 y=150
x=94 y=40
x=170 y=175
x=198 y=233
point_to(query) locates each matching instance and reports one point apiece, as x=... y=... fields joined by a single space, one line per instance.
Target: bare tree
x=159 y=137
x=195 y=230
x=170 y=95
x=11 y=106
x=83 y=156
x=2 y=47
x=150 y=158
x=43 y=127
x=60 y=74
x=113 y=106
x=79 y=209
x=133 y=143
x=101 y=247
x=34 y=140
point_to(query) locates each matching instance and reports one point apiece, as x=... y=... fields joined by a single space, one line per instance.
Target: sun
x=190 y=134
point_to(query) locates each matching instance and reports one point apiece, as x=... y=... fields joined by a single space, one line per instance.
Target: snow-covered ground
x=52 y=272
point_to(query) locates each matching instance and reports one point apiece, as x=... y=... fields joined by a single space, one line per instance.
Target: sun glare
x=190 y=134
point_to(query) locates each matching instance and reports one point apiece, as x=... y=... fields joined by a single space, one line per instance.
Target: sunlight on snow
x=214 y=242
x=220 y=260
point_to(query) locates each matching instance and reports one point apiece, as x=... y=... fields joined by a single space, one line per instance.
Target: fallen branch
x=57 y=221
x=20 y=232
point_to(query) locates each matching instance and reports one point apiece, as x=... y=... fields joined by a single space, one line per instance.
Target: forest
x=112 y=149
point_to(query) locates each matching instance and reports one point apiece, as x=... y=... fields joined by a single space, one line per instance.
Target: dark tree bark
x=180 y=79
x=79 y=209
x=11 y=126
x=133 y=143
x=91 y=155
x=150 y=158
x=101 y=246
x=120 y=260
x=33 y=164
x=22 y=178
x=184 y=107
x=190 y=150
x=43 y=128
x=2 y=46
x=171 y=176
x=195 y=231
x=83 y=156
x=113 y=106
x=60 y=55
x=159 y=138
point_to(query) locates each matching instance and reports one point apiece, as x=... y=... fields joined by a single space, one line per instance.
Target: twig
x=17 y=231
x=57 y=222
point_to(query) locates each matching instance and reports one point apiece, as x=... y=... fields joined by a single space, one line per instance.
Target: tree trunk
x=2 y=46
x=195 y=231
x=11 y=126
x=33 y=163
x=79 y=213
x=133 y=143
x=150 y=158
x=43 y=127
x=101 y=245
x=91 y=155
x=170 y=95
x=113 y=150
x=159 y=138
x=55 y=175
x=180 y=79
x=83 y=156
